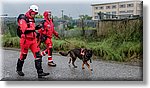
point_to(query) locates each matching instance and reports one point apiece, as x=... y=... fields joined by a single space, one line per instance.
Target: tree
x=67 y=17
x=56 y=18
x=85 y=17
x=39 y=16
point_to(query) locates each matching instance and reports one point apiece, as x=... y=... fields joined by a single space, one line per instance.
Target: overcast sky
x=74 y=8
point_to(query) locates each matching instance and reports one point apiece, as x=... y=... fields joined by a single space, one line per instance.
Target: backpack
x=21 y=16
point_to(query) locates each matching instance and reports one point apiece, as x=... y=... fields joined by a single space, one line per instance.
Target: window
x=129 y=11
x=113 y=6
x=122 y=6
x=130 y=5
x=139 y=12
x=114 y=16
x=101 y=7
x=107 y=7
x=107 y=12
x=95 y=13
x=140 y=5
x=122 y=11
x=96 y=17
x=96 y=7
x=114 y=12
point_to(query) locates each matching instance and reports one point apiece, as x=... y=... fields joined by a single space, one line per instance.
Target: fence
x=77 y=33
x=8 y=24
x=104 y=26
x=64 y=27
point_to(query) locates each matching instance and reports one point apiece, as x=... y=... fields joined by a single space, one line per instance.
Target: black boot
x=38 y=66
x=19 y=67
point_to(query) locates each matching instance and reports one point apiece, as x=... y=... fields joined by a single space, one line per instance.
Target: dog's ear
x=89 y=51
x=85 y=49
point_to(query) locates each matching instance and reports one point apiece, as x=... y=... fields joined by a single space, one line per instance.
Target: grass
x=104 y=48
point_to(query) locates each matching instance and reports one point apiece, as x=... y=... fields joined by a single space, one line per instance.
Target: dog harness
x=82 y=52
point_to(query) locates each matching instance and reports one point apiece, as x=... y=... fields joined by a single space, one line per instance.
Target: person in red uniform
x=47 y=31
x=28 y=41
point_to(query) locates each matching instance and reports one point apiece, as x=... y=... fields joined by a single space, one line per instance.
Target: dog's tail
x=64 y=53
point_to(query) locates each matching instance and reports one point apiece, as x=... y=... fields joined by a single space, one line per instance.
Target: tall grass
x=104 y=49
x=8 y=41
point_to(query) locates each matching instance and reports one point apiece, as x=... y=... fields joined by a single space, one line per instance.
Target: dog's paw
x=75 y=66
x=69 y=65
x=83 y=68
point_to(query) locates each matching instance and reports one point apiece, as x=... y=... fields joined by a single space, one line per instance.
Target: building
x=118 y=9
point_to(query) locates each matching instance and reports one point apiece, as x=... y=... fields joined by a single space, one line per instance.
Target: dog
x=83 y=54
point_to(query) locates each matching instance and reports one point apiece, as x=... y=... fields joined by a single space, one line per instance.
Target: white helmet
x=34 y=8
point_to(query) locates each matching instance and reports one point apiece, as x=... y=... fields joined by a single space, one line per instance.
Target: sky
x=72 y=8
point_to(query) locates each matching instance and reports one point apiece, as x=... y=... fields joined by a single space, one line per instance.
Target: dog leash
x=65 y=40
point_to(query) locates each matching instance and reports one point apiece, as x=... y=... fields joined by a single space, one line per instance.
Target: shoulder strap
x=22 y=16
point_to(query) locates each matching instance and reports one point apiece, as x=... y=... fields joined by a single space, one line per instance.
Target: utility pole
x=62 y=19
x=62 y=14
x=69 y=17
x=82 y=26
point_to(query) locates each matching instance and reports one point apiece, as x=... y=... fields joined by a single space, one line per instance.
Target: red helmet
x=46 y=14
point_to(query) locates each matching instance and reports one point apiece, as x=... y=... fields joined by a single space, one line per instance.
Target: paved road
x=101 y=70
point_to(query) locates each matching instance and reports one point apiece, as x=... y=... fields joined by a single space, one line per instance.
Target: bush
x=8 y=41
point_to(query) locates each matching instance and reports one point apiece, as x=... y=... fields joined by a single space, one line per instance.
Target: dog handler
x=28 y=41
x=47 y=31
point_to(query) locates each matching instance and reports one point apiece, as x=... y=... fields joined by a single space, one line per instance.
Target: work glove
x=38 y=27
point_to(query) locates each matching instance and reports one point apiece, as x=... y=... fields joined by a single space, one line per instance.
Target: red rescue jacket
x=24 y=26
x=48 y=28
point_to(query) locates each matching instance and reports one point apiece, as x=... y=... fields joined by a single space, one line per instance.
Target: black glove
x=43 y=38
x=29 y=31
x=38 y=27
x=37 y=35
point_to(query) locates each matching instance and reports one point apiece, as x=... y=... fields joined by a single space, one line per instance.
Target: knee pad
x=38 y=55
x=38 y=60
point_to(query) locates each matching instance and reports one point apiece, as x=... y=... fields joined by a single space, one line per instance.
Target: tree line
x=66 y=17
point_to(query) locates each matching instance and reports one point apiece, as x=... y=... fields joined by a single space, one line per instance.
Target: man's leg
x=23 y=55
x=38 y=60
x=48 y=43
x=50 y=60
x=43 y=53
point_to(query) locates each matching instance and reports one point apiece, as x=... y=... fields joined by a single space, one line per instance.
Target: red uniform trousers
x=48 y=49
x=29 y=43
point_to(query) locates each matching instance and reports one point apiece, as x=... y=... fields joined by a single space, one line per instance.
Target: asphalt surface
x=102 y=70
